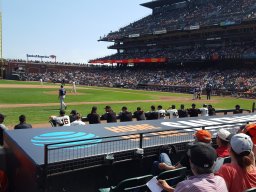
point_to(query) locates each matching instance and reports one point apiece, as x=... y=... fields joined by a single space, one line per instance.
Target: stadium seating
x=155 y=39
x=251 y=190
x=238 y=82
x=172 y=17
x=130 y=184
x=227 y=160
x=173 y=176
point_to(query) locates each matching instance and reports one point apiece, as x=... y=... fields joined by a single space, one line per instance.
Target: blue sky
x=68 y=29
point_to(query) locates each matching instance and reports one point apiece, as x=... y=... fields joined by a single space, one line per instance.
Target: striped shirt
x=202 y=183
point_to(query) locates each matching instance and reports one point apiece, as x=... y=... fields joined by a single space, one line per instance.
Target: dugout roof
x=32 y=142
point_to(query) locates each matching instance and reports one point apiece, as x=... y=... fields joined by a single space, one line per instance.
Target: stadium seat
x=173 y=177
x=131 y=184
x=227 y=160
x=219 y=162
x=251 y=190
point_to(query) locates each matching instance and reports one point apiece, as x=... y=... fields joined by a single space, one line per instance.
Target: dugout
x=85 y=159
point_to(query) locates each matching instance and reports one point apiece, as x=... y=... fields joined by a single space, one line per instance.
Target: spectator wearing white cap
x=240 y=174
x=222 y=140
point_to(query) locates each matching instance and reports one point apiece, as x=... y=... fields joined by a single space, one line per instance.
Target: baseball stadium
x=173 y=109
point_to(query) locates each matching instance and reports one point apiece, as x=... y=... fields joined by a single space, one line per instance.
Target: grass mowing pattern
x=37 y=115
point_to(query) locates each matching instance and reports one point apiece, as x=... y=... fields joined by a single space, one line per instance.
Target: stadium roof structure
x=159 y=3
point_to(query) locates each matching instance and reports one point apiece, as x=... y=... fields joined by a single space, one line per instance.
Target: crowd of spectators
x=236 y=80
x=44 y=62
x=190 y=13
x=229 y=167
x=243 y=50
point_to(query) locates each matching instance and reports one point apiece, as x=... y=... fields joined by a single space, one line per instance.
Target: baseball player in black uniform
x=110 y=116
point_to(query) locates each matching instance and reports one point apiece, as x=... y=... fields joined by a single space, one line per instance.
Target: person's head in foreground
x=241 y=150
x=201 y=157
x=240 y=174
x=203 y=136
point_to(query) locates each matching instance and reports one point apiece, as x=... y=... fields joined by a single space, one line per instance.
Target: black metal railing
x=66 y=156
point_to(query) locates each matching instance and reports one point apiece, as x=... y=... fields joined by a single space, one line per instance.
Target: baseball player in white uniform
x=74 y=87
x=204 y=111
x=62 y=120
x=78 y=121
x=161 y=112
x=173 y=112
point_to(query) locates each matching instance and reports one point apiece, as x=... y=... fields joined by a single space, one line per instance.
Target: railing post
x=141 y=140
x=45 y=167
x=253 y=107
x=45 y=155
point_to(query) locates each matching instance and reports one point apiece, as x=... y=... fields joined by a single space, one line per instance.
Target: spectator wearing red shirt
x=240 y=174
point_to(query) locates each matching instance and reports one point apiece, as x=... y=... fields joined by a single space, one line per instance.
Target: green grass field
x=13 y=94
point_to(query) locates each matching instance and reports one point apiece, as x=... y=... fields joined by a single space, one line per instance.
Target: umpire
x=208 y=91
